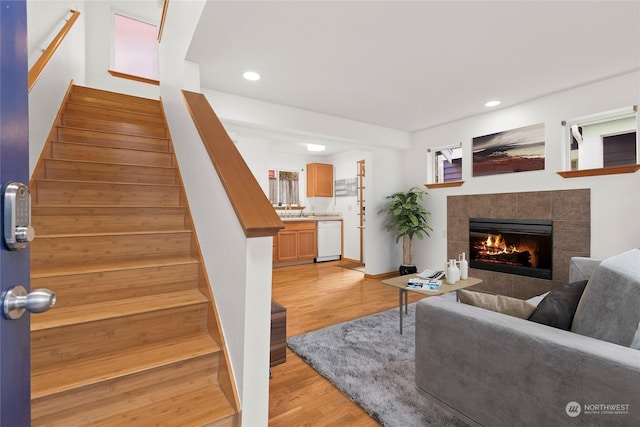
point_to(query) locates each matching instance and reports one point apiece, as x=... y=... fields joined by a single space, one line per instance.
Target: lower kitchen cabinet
x=296 y=243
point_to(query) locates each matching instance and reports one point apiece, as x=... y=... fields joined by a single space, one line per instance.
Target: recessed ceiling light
x=315 y=147
x=251 y=75
x=492 y=103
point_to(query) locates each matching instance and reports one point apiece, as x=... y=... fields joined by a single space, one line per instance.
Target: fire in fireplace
x=522 y=247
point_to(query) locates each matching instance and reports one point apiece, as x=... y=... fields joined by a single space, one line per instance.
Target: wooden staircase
x=134 y=337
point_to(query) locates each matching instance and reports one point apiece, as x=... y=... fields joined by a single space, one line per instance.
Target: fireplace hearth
x=515 y=246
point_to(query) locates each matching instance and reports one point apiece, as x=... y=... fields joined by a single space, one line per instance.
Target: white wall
x=44 y=20
x=385 y=172
x=346 y=167
x=99 y=40
x=255 y=152
x=236 y=109
x=615 y=199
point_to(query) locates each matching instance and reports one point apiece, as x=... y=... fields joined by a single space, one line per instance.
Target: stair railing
x=47 y=54
x=253 y=210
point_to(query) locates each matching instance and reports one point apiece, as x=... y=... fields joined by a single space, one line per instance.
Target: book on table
x=431 y=274
x=424 y=284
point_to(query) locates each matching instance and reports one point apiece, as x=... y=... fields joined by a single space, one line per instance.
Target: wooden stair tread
x=61 y=377
x=91 y=106
x=58 y=317
x=94 y=101
x=95 y=183
x=90 y=404
x=87 y=219
x=88 y=170
x=125 y=128
x=97 y=206
x=109 y=266
x=103 y=210
x=113 y=233
x=138 y=154
x=107 y=94
x=162 y=141
x=114 y=164
x=195 y=408
x=199 y=406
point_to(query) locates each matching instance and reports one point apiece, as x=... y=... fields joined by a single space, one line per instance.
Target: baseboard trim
x=382 y=275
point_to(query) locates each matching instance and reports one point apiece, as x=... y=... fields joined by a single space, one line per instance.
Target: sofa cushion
x=499 y=303
x=559 y=306
x=537 y=299
x=608 y=309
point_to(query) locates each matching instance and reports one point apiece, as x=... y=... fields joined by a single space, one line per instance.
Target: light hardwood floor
x=315 y=296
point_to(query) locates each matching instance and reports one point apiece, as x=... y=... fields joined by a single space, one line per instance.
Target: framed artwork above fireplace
x=515 y=150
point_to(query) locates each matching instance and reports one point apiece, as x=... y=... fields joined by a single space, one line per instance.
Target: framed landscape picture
x=515 y=150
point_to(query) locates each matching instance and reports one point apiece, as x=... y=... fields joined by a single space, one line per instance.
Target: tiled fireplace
x=564 y=214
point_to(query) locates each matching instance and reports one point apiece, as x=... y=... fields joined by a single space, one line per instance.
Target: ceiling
x=412 y=65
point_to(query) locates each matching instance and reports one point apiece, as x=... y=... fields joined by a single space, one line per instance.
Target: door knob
x=17 y=300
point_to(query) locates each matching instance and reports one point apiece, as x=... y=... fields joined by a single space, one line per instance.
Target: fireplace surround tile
x=456 y=248
x=571 y=235
x=571 y=205
x=534 y=205
x=458 y=207
x=570 y=211
x=498 y=206
x=458 y=230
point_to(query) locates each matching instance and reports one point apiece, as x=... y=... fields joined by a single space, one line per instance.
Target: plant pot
x=407 y=269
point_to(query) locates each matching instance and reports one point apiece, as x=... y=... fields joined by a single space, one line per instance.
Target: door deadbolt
x=18 y=231
x=17 y=301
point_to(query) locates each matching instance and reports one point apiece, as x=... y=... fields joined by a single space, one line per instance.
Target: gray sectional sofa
x=497 y=370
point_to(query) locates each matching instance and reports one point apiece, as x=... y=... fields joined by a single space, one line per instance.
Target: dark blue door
x=15 y=383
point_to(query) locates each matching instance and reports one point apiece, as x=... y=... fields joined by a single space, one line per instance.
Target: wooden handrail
x=41 y=63
x=253 y=210
x=165 y=7
x=134 y=78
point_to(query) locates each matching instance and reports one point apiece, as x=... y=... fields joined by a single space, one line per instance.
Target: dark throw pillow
x=559 y=306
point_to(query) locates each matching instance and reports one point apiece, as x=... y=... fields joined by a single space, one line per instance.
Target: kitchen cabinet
x=319 y=180
x=296 y=243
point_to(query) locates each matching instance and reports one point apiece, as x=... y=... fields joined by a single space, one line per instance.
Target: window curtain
x=273 y=191
x=289 y=190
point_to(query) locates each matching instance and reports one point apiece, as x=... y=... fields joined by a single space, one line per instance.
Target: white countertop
x=336 y=217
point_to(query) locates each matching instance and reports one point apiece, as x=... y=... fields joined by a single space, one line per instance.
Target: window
x=135 y=48
x=283 y=187
x=619 y=150
x=603 y=140
x=445 y=164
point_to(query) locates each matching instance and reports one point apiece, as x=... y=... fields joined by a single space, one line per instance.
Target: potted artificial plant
x=407 y=219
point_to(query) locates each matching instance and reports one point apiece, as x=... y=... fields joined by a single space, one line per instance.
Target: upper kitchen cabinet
x=319 y=180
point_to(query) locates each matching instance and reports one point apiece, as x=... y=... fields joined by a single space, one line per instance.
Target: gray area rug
x=369 y=361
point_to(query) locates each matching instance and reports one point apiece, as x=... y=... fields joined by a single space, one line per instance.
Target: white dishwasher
x=329 y=240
